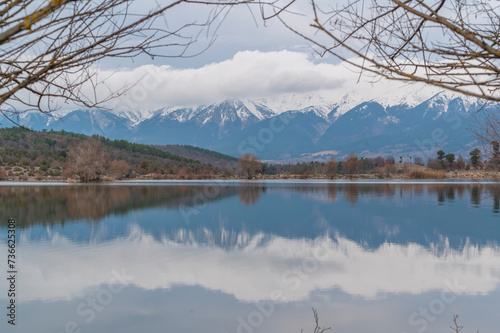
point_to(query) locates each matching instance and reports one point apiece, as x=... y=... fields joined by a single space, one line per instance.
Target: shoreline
x=477 y=175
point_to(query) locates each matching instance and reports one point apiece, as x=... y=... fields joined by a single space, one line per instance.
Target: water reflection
x=256 y=266
x=475 y=196
x=331 y=192
x=59 y=204
x=360 y=250
x=351 y=193
x=249 y=195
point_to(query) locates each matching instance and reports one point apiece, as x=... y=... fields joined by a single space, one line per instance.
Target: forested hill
x=221 y=161
x=46 y=153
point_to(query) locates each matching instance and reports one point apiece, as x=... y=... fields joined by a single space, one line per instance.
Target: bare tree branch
x=452 y=44
x=50 y=48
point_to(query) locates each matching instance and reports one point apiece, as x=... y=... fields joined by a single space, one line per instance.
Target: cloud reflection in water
x=255 y=266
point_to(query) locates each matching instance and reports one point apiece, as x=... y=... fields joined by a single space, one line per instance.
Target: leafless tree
x=249 y=164
x=460 y=162
x=49 y=49
x=352 y=163
x=331 y=167
x=452 y=44
x=317 y=328
x=486 y=129
x=457 y=328
x=88 y=160
x=419 y=161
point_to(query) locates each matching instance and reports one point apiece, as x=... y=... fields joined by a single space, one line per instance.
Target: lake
x=245 y=257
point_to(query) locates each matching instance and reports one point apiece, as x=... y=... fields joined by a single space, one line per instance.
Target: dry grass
x=426 y=174
x=107 y=179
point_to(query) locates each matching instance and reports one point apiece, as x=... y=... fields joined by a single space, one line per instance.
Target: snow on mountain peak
x=445 y=96
x=296 y=102
x=254 y=107
x=136 y=117
x=322 y=104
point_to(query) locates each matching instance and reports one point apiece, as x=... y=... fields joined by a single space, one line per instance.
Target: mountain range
x=280 y=131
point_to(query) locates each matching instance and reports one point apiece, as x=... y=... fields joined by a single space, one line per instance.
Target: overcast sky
x=287 y=77
x=247 y=59
x=237 y=28
x=238 y=56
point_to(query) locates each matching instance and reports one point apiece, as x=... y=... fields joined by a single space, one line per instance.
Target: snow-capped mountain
x=290 y=129
x=222 y=114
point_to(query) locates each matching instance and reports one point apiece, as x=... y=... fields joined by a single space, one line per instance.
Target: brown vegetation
x=3 y=174
x=249 y=164
x=352 y=163
x=89 y=160
x=249 y=195
x=426 y=174
x=331 y=167
x=45 y=155
x=119 y=169
x=386 y=170
x=31 y=155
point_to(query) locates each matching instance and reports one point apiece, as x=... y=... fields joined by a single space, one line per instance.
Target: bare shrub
x=88 y=160
x=3 y=174
x=119 y=169
x=249 y=164
x=434 y=163
x=182 y=173
x=331 y=167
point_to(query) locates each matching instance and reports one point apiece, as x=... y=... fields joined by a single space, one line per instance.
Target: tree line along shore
x=27 y=155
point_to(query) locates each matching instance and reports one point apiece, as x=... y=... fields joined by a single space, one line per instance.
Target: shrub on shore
x=3 y=174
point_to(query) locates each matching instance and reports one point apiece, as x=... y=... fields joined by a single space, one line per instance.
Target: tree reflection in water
x=250 y=194
x=59 y=204
x=351 y=193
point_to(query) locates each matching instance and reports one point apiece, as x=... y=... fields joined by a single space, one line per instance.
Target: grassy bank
x=417 y=174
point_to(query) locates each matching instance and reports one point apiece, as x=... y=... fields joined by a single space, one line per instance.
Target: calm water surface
x=254 y=257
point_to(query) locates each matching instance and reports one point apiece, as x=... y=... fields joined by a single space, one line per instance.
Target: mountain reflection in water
x=201 y=256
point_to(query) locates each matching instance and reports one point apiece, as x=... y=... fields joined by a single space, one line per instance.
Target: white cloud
x=248 y=75
x=281 y=79
x=277 y=77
